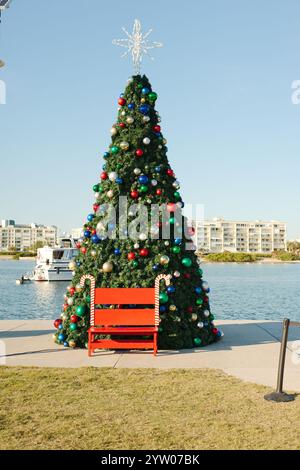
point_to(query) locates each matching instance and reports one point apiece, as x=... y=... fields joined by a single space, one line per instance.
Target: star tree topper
x=137 y=45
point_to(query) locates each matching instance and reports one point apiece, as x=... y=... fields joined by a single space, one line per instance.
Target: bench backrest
x=125 y=316
x=124 y=296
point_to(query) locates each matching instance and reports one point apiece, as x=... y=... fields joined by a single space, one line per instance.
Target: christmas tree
x=130 y=251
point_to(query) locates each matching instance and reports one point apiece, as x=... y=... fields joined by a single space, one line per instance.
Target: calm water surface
x=238 y=291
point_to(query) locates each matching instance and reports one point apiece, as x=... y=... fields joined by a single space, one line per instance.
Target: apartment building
x=220 y=235
x=22 y=237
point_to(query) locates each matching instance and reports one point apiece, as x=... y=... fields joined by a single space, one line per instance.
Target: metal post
x=280 y=395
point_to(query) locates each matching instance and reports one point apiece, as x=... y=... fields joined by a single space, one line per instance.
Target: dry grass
x=140 y=409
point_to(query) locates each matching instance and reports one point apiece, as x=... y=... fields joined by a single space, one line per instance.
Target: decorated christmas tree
x=123 y=247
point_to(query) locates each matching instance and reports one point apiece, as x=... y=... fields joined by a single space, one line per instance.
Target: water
x=238 y=291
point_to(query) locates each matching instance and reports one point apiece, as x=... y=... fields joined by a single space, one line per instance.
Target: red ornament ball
x=65 y=307
x=94 y=231
x=57 y=323
x=170 y=172
x=190 y=309
x=187 y=275
x=215 y=331
x=134 y=194
x=104 y=175
x=157 y=128
x=78 y=245
x=83 y=250
x=121 y=101
x=144 y=252
x=95 y=207
x=72 y=291
x=159 y=192
x=171 y=207
x=139 y=152
x=74 y=318
x=131 y=256
x=122 y=125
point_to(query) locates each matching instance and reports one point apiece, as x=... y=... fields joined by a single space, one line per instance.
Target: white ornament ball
x=143 y=236
x=94 y=253
x=97 y=195
x=176 y=274
x=113 y=176
x=123 y=113
x=136 y=246
x=200 y=324
x=154 y=182
x=124 y=145
x=130 y=120
x=107 y=267
x=78 y=288
x=206 y=313
x=113 y=131
x=110 y=194
x=137 y=171
x=146 y=141
x=167 y=243
x=70 y=301
x=146 y=119
x=176 y=184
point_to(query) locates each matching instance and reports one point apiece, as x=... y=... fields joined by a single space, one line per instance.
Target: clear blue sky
x=224 y=84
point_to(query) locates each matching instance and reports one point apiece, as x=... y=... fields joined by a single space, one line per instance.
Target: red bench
x=137 y=322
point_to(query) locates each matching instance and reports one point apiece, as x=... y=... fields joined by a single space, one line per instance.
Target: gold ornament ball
x=194 y=316
x=130 y=120
x=107 y=267
x=172 y=308
x=124 y=145
x=78 y=288
x=94 y=253
x=143 y=100
x=164 y=259
x=110 y=194
x=113 y=131
x=72 y=265
x=72 y=344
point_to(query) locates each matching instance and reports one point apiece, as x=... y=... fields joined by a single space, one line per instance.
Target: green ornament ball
x=140 y=86
x=96 y=188
x=119 y=166
x=177 y=195
x=197 y=341
x=163 y=298
x=135 y=264
x=187 y=262
x=80 y=310
x=73 y=327
x=114 y=149
x=200 y=271
x=143 y=188
x=88 y=298
x=176 y=249
x=152 y=96
x=199 y=301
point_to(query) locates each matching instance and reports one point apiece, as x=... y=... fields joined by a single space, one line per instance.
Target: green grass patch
x=94 y=408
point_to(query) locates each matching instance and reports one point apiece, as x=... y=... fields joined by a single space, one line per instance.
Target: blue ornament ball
x=219 y=334
x=145 y=91
x=66 y=345
x=143 y=179
x=117 y=251
x=157 y=169
x=90 y=217
x=198 y=290
x=78 y=263
x=87 y=234
x=106 y=155
x=119 y=180
x=61 y=337
x=178 y=241
x=95 y=239
x=171 y=290
x=131 y=106
x=60 y=327
x=144 y=109
x=162 y=308
x=155 y=267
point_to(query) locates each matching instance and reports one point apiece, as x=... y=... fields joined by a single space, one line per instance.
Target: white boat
x=52 y=264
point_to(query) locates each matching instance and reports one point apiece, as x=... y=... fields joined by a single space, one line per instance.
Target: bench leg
x=155 y=344
x=90 y=345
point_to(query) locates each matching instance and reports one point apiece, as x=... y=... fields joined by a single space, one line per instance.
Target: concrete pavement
x=249 y=350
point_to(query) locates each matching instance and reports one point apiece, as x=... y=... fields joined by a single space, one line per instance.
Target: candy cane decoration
x=92 y=305
x=167 y=279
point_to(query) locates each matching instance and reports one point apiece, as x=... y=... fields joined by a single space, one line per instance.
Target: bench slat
x=121 y=344
x=125 y=296
x=124 y=317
